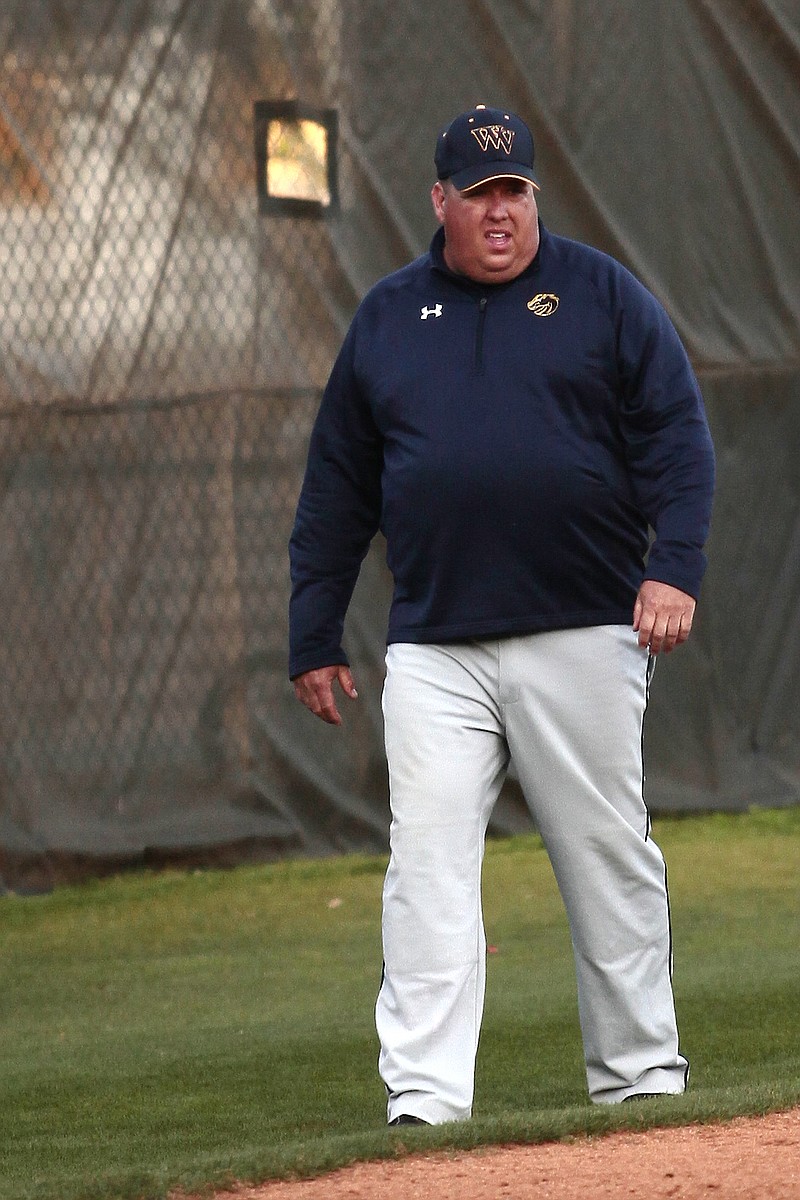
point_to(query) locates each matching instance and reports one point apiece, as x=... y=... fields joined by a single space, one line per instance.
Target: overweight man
x=516 y=413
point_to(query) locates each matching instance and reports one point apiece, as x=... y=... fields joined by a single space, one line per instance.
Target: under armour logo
x=496 y=136
x=435 y=311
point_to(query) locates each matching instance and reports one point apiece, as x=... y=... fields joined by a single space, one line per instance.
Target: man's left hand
x=663 y=616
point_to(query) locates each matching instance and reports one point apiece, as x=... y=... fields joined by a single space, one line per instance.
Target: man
x=513 y=410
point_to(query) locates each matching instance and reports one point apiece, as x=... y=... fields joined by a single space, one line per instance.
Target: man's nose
x=498 y=202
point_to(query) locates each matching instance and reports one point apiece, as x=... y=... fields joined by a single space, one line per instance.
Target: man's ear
x=438 y=198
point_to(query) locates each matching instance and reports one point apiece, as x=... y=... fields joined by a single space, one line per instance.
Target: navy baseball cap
x=482 y=144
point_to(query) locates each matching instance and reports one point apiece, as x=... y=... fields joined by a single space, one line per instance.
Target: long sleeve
x=338 y=514
x=514 y=487
x=667 y=442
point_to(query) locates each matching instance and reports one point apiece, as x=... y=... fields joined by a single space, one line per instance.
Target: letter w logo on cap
x=496 y=136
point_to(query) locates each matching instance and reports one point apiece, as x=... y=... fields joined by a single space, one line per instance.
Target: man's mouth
x=498 y=237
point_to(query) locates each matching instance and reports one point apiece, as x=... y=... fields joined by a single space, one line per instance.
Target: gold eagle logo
x=543 y=304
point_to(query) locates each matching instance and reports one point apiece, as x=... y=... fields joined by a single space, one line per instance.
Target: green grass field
x=172 y=1030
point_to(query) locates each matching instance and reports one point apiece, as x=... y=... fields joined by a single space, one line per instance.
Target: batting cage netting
x=193 y=199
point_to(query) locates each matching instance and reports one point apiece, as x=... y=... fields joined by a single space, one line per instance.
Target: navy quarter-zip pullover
x=513 y=442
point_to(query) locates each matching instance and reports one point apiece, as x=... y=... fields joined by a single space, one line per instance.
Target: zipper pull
x=482 y=303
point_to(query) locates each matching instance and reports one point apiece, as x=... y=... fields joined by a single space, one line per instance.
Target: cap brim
x=473 y=177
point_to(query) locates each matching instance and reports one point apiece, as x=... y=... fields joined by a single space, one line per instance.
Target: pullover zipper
x=482 y=303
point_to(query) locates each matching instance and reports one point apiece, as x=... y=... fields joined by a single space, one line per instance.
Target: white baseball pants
x=568 y=707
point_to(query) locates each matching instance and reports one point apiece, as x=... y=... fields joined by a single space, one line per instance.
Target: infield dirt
x=745 y=1159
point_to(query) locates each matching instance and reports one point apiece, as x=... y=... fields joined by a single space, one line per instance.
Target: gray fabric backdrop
x=164 y=344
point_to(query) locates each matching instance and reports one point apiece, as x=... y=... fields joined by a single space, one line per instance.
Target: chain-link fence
x=164 y=346
x=193 y=197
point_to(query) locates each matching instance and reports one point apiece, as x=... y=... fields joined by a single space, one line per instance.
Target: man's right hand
x=315 y=690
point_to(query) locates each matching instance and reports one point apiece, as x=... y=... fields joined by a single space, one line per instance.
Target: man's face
x=491 y=232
